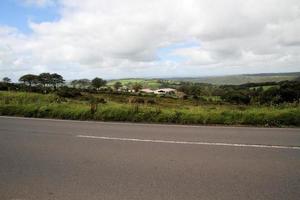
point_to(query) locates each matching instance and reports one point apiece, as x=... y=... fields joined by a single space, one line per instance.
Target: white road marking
x=191 y=143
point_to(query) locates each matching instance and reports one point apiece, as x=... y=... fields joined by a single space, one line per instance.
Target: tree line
x=55 y=80
x=44 y=79
x=250 y=93
x=47 y=82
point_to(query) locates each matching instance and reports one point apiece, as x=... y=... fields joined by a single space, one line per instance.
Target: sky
x=141 y=38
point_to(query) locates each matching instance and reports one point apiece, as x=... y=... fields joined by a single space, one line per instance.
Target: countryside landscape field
x=274 y=103
x=149 y=100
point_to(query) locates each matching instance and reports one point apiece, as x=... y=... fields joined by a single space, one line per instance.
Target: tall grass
x=51 y=106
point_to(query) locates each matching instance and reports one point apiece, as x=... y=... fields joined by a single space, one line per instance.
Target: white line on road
x=191 y=143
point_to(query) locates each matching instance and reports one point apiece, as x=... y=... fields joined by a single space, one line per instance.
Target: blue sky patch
x=16 y=14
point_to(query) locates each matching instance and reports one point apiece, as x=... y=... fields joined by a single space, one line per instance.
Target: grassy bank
x=52 y=106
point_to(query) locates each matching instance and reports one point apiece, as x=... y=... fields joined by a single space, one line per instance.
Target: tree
x=289 y=91
x=81 y=83
x=29 y=79
x=237 y=97
x=74 y=83
x=56 y=79
x=117 y=85
x=269 y=96
x=84 y=83
x=6 y=80
x=44 y=79
x=137 y=87
x=98 y=82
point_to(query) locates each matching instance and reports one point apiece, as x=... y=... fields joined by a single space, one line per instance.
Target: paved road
x=68 y=160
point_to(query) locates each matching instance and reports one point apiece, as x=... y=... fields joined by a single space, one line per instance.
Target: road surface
x=70 y=160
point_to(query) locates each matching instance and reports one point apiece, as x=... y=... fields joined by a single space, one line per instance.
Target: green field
x=240 y=79
x=164 y=110
x=216 y=80
x=146 y=83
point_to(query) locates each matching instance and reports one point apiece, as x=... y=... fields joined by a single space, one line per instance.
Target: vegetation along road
x=52 y=159
x=271 y=104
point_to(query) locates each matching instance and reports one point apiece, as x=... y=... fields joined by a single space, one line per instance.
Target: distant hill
x=241 y=79
x=276 y=74
x=217 y=80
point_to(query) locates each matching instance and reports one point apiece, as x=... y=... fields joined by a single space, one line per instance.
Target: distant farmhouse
x=161 y=91
x=165 y=91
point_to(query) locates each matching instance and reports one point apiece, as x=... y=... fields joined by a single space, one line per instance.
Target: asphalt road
x=69 y=160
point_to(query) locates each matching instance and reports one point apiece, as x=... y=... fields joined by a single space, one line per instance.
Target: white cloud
x=119 y=38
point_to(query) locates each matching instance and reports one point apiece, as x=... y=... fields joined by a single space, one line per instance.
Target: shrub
x=68 y=92
x=151 y=101
x=52 y=106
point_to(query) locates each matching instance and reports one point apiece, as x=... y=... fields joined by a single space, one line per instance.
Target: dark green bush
x=68 y=92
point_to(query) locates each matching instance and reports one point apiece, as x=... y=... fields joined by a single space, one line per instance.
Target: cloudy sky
x=148 y=38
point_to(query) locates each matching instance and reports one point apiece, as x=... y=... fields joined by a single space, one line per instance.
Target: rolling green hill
x=218 y=80
x=244 y=78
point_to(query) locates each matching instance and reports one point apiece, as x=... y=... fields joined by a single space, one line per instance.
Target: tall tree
x=84 y=83
x=117 y=85
x=6 y=80
x=55 y=80
x=137 y=87
x=98 y=82
x=29 y=79
x=44 y=79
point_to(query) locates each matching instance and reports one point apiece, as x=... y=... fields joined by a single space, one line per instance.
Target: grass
x=51 y=106
x=146 y=83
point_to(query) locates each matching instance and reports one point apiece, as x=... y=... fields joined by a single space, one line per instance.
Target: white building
x=146 y=90
x=165 y=91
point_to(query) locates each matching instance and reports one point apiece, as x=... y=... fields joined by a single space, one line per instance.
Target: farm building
x=165 y=91
x=147 y=90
